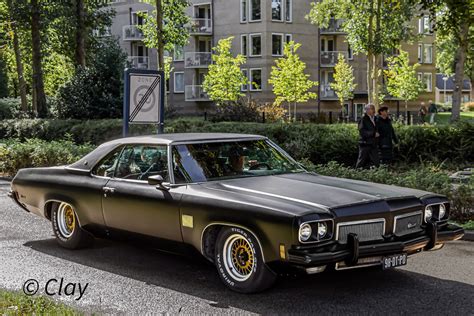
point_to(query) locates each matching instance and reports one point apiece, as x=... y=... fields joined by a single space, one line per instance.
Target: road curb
x=468 y=235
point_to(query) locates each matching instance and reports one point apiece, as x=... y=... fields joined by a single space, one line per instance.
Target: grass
x=444 y=117
x=15 y=303
x=468 y=225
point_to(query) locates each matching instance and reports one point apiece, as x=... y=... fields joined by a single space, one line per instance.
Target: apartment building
x=260 y=28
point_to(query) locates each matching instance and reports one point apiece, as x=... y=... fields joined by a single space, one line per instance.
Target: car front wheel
x=239 y=261
x=66 y=227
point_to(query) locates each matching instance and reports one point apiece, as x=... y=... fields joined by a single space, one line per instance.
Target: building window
x=243 y=11
x=350 y=53
x=277 y=44
x=255 y=45
x=178 y=82
x=288 y=38
x=288 y=10
x=427 y=80
x=420 y=53
x=255 y=10
x=245 y=87
x=178 y=53
x=428 y=53
x=277 y=8
x=256 y=79
x=244 y=44
x=424 y=26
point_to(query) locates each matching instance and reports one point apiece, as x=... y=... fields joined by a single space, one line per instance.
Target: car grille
x=407 y=223
x=366 y=230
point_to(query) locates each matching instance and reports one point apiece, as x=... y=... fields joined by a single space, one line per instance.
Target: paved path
x=126 y=279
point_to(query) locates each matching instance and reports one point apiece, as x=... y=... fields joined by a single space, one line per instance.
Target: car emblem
x=411 y=225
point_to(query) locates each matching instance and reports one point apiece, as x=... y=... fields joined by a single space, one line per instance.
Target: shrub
x=468 y=107
x=9 y=108
x=95 y=91
x=428 y=178
x=241 y=111
x=15 y=155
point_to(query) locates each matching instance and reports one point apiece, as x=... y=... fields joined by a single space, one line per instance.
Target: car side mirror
x=159 y=182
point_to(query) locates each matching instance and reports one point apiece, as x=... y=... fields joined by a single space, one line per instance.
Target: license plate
x=393 y=261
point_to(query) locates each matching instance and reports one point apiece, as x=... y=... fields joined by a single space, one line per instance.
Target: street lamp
x=445 y=78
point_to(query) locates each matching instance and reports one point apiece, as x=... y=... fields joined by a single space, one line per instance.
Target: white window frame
x=282 y=45
x=426 y=75
x=251 y=79
x=425 y=61
x=245 y=87
x=244 y=12
x=174 y=54
x=288 y=36
x=174 y=81
x=136 y=14
x=286 y=10
x=243 y=51
x=250 y=11
x=420 y=53
x=282 y=11
x=250 y=42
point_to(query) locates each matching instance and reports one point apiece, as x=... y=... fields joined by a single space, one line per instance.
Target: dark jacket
x=386 y=131
x=367 y=131
x=433 y=108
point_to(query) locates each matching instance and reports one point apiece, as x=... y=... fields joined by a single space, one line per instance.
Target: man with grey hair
x=368 y=152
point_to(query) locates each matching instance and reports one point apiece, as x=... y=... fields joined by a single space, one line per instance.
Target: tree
x=224 y=80
x=402 y=81
x=373 y=27
x=455 y=18
x=164 y=28
x=290 y=83
x=39 y=96
x=343 y=80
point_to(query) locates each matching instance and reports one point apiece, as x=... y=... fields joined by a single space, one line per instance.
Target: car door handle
x=108 y=190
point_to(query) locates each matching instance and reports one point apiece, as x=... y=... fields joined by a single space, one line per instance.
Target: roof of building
x=450 y=83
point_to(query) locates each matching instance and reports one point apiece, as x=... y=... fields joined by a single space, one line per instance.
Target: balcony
x=132 y=33
x=334 y=27
x=197 y=59
x=138 y=62
x=329 y=59
x=198 y=26
x=195 y=93
x=327 y=92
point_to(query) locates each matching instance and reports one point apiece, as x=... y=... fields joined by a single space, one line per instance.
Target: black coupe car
x=240 y=200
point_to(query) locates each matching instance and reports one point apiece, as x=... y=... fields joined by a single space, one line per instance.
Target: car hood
x=315 y=191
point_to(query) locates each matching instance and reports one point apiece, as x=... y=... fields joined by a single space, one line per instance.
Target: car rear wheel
x=239 y=261
x=66 y=227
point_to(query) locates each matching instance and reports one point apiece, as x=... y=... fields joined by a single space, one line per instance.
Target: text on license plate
x=394 y=261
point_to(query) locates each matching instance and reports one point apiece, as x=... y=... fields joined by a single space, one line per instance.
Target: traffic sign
x=143 y=98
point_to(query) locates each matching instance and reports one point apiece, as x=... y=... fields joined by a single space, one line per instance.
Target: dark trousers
x=368 y=156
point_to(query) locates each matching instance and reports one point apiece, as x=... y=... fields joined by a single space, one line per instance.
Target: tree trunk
x=80 y=52
x=370 y=82
x=19 y=64
x=377 y=61
x=38 y=83
x=294 y=111
x=459 y=59
x=159 y=33
x=289 y=111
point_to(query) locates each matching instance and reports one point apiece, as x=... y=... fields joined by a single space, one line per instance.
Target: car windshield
x=227 y=160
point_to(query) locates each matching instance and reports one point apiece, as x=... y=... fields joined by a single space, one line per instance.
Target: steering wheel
x=259 y=166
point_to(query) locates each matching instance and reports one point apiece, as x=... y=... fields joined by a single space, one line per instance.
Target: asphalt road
x=122 y=278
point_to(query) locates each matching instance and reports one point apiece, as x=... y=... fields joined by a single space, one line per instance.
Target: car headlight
x=442 y=211
x=305 y=232
x=428 y=213
x=322 y=230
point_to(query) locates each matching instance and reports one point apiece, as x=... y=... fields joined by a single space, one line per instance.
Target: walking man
x=432 y=110
x=368 y=151
x=387 y=136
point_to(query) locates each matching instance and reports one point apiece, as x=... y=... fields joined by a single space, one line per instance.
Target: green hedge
x=316 y=142
x=427 y=178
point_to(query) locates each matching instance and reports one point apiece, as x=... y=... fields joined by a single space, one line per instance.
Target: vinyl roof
x=185 y=137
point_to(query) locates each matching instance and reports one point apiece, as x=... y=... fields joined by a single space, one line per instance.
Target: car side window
x=138 y=162
x=106 y=168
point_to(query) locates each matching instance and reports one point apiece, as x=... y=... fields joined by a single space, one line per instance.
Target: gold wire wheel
x=66 y=220
x=239 y=257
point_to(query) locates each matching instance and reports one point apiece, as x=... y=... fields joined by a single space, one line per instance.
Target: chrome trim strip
x=316 y=221
x=439 y=219
x=230 y=225
x=403 y=216
x=326 y=208
x=375 y=220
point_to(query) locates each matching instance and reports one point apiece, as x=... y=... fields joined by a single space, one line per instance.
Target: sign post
x=143 y=101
